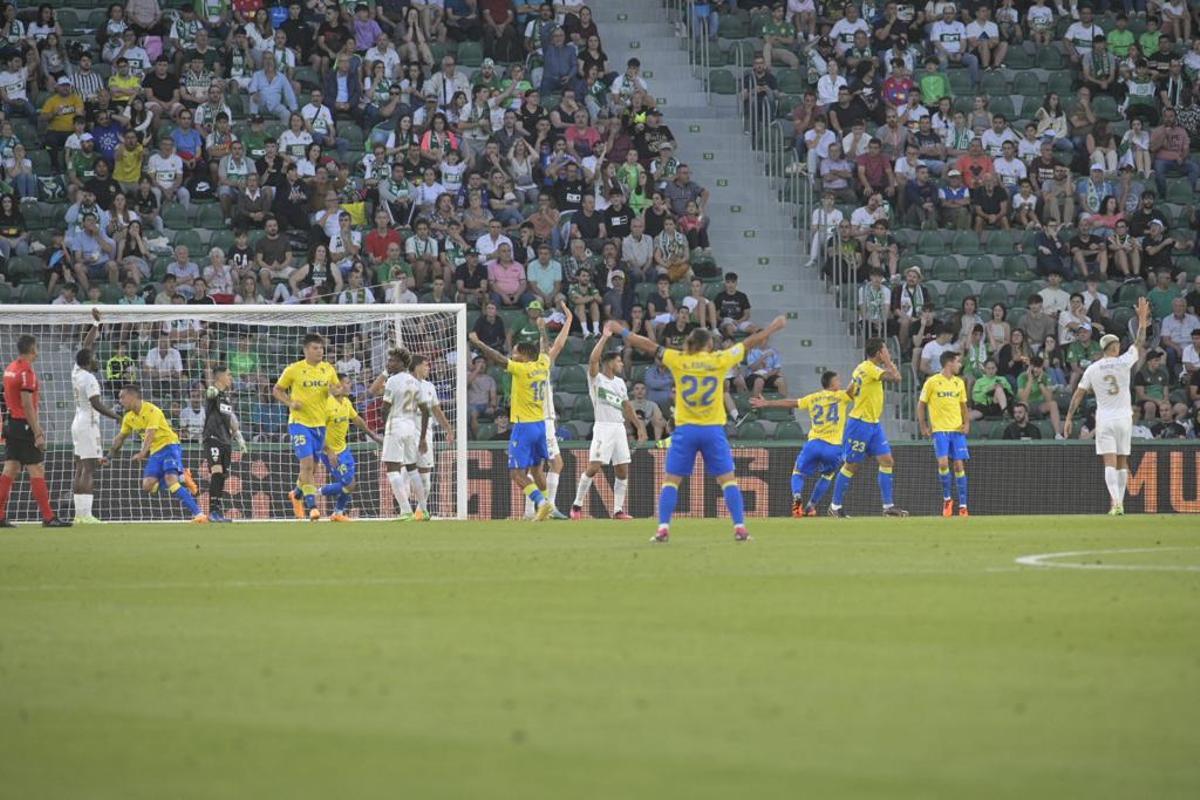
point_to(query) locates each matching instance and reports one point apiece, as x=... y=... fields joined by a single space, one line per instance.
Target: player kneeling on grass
x=160 y=450
x=221 y=433
x=942 y=415
x=822 y=453
x=1108 y=378
x=338 y=457
x=610 y=445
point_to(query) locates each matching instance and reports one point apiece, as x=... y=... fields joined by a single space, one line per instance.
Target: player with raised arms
x=407 y=415
x=943 y=416
x=85 y=427
x=24 y=438
x=1108 y=379
x=338 y=457
x=552 y=469
x=528 y=449
x=426 y=453
x=699 y=416
x=221 y=432
x=304 y=388
x=822 y=453
x=160 y=449
x=610 y=444
x=864 y=435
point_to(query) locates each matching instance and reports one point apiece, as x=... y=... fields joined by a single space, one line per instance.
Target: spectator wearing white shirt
x=1191 y=355
x=1054 y=298
x=490 y=242
x=1010 y=169
x=1078 y=40
x=163 y=366
x=355 y=292
x=828 y=86
x=931 y=353
x=318 y=121
x=816 y=144
x=993 y=138
x=949 y=39
x=1176 y=331
x=399 y=292
x=843 y=31
x=983 y=37
x=383 y=52
x=825 y=220
x=191 y=417
x=854 y=143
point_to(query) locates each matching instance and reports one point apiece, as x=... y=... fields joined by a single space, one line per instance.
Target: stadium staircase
x=752 y=232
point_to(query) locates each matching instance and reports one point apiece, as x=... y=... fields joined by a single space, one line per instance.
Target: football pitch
x=826 y=659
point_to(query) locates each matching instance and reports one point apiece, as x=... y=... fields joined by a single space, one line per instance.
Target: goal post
x=170 y=350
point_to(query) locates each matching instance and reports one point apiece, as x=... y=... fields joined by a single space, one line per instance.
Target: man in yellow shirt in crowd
x=57 y=119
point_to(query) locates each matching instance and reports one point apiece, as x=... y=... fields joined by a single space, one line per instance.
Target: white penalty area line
x=1053 y=560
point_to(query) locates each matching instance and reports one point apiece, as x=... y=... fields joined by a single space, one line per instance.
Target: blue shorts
x=527 y=445
x=343 y=471
x=951 y=445
x=708 y=440
x=818 y=458
x=862 y=439
x=306 y=442
x=169 y=459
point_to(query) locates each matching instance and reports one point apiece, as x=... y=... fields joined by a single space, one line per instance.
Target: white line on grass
x=1052 y=560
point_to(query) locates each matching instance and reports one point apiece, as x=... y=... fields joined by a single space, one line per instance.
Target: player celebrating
x=822 y=453
x=221 y=432
x=528 y=447
x=610 y=445
x=700 y=416
x=552 y=470
x=425 y=447
x=407 y=416
x=942 y=415
x=160 y=449
x=304 y=388
x=85 y=427
x=864 y=435
x=338 y=457
x=1108 y=379
x=24 y=439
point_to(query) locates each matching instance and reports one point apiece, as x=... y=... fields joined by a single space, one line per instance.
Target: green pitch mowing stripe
x=866 y=658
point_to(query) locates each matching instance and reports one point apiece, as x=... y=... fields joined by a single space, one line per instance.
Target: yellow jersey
x=700 y=383
x=944 y=397
x=128 y=167
x=827 y=411
x=309 y=384
x=868 y=396
x=339 y=413
x=531 y=381
x=62 y=111
x=146 y=420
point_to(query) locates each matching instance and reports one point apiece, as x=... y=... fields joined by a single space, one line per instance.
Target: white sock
x=619 y=489
x=552 y=487
x=1113 y=483
x=1122 y=485
x=83 y=505
x=427 y=482
x=417 y=490
x=529 y=507
x=585 y=486
x=399 y=482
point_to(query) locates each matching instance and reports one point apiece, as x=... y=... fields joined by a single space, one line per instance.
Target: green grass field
x=869 y=658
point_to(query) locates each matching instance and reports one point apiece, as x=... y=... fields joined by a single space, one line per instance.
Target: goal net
x=139 y=343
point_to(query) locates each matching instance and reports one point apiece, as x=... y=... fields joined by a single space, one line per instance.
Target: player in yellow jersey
x=304 y=389
x=338 y=457
x=160 y=450
x=864 y=435
x=942 y=415
x=822 y=453
x=528 y=449
x=699 y=416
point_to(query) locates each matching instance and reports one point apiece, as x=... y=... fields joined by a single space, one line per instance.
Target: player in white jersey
x=554 y=465
x=406 y=417
x=1108 y=379
x=85 y=427
x=425 y=447
x=610 y=445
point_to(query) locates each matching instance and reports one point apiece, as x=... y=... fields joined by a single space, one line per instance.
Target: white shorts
x=1113 y=437
x=425 y=460
x=400 y=445
x=552 y=439
x=85 y=436
x=610 y=445
x=800 y=6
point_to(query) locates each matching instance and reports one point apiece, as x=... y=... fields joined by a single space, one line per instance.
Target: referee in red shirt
x=24 y=439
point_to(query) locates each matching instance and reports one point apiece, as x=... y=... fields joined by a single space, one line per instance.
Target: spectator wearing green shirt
x=934 y=85
x=1152 y=388
x=1120 y=38
x=1036 y=391
x=1080 y=355
x=1148 y=41
x=779 y=36
x=991 y=394
x=528 y=331
x=1162 y=295
x=243 y=362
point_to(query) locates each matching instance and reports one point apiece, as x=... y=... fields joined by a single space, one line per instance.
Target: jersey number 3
x=1113 y=387
x=704 y=387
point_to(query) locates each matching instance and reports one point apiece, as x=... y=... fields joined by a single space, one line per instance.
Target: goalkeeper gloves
x=241 y=442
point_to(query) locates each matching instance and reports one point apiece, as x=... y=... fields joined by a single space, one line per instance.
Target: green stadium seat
x=1000 y=243
x=1003 y=104
x=470 y=54
x=211 y=217
x=1018 y=268
x=582 y=429
x=572 y=379
x=176 y=217
x=1050 y=58
x=34 y=293
x=1060 y=83
x=1179 y=191
x=9 y=294
x=931 y=243
x=25 y=268
x=956 y=293
x=487 y=431
x=1028 y=84
x=1018 y=58
x=789 y=431
x=966 y=243
x=751 y=431
x=991 y=294
x=735 y=26
x=946 y=268
x=960 y=82
x=583 y=411
x=982 y=268
x=995 y=83
x=791 y=81
x=721 y=81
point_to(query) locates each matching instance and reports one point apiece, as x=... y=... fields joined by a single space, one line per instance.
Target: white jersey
x=85 y=387
x=403 y=391
x=429 y=398
x=551 y=414
x=609 y=396
x=1108 y=379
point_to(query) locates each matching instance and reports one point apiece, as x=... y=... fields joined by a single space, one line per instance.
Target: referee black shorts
x=18 y=443
x=216 y=454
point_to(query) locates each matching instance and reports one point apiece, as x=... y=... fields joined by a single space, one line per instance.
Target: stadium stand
x=326 y=153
